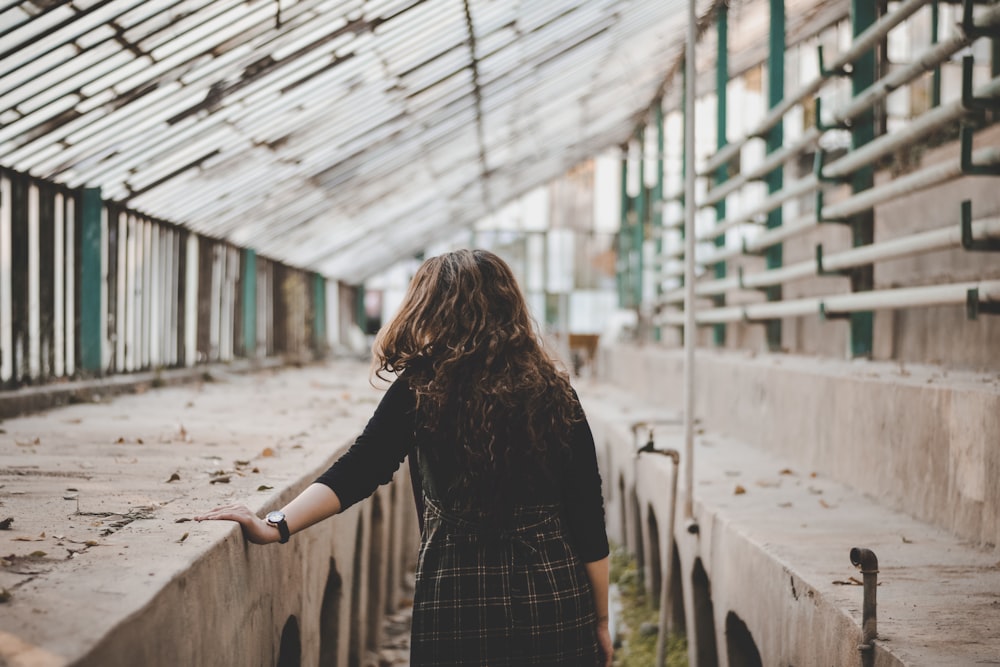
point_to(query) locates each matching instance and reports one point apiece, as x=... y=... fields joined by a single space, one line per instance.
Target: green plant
x=639 y=618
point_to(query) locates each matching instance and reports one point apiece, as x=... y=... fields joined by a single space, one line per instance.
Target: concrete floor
x=100 y=496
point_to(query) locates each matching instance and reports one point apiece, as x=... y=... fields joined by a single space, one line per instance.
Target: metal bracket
x=820 y=125
x=969 y=101
x=965 y=158
x=818 y=163
x=819 y=211
x=968 y=242
x=969 y=27
x=823 y=71
x=820 y=271
x=824 y=315
x=973 y=305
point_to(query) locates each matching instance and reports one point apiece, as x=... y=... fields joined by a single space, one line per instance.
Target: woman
x=513 y=562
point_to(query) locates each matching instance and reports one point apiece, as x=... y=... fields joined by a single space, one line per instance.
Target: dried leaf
x=91 y=543
x=38 y=554
x=240 y=464
x=183 y=537
x=22 y=538
x=220 y=480
x=264 y=487
x=173 y=478
x=120 y=441
x=906 y=541
x=5 y=595
x=739 y=490
x=138 y=441
x=786 y=471
x=5 y=524
x=267 y=452
x=826 y=504
x=255 y=469
x=183 y=519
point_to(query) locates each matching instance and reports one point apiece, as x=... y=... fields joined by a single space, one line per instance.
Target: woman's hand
x=604 y=642
x=255 y=529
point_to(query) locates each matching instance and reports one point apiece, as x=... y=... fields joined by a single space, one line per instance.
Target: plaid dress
x=500 y=597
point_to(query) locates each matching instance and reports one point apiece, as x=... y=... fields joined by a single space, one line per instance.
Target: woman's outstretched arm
x=315 y=503
x=597 y=572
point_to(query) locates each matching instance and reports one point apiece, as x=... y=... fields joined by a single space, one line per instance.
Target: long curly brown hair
x=486 y=389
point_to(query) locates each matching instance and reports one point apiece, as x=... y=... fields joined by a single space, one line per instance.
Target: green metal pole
x=862 y=131
x=638 y=229
x=622 y=265
x=319 y=312
x=89 y=285
x=249 y=266
x=722 y=173
x=360 y=314
x=774 y=255
x=658 y=197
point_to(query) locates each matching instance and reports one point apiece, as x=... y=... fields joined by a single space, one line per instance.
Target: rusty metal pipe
x=667 y=554
x=866 y=561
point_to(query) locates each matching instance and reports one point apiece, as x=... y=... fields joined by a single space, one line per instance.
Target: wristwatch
x=277 y=519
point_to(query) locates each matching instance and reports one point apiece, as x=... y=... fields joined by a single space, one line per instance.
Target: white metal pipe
x=927 y=61
x=907 y=246
x=918 y=180
x=889 y=299
x=887 y=143
x=865 y=41
x=690 y=331
x=909 y=297
x=769 y=164
x=914 y=182
x=798 y=188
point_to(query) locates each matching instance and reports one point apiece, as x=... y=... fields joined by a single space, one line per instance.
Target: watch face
x=275 y=517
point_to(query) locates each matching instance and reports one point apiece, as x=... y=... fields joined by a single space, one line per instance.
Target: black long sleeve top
x=391 y=435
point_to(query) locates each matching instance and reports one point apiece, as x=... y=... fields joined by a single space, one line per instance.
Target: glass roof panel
x=311 y=139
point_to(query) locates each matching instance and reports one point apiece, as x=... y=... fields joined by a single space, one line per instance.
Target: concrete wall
x=318 y=600
x=919 y=439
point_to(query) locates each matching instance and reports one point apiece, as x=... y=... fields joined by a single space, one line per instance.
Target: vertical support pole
x=995 y=56
x=638 y=229
x=658 y=196
x=249 y=280
x=623 y=234
x=46 y=279
x=319 y=314
x=722 y=173
x=19 y=269
x=360 y=313
x=863 y=15
x=689 y=234
x=936 y=74
x=774 y=256
x=89 y=286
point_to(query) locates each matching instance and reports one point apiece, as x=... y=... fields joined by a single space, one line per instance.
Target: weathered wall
x=918 y=439
x=286 y=605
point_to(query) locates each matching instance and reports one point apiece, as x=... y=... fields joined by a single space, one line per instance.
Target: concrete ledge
x=101 y=566
x=919 y=439
x=26 y=400
x=773 y=543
